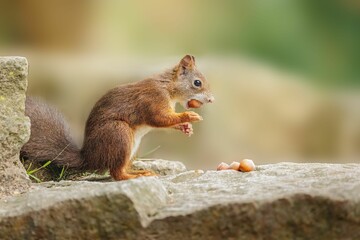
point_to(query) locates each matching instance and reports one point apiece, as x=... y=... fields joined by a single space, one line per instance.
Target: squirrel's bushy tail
x=50 y=138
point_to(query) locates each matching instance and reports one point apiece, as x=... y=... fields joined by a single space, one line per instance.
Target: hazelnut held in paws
x=118 y=121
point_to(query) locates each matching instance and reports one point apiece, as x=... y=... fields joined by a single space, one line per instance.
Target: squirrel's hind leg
x=124 y=173
x=120 y=166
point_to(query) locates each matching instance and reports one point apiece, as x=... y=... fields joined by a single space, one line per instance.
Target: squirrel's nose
x=211 y=99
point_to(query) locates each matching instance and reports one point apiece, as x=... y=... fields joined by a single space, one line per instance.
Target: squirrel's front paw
x=185 y=128
x=192 y=117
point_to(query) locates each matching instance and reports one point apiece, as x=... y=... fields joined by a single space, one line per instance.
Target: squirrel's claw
x=193 y=117
x=185 y=128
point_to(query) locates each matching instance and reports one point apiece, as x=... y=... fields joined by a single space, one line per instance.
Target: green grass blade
x=37 y=169
x=61 y=173
x=37 y=179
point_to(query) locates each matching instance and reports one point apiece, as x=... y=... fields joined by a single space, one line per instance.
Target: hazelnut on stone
x=193 y=103
x=246 y=165
x=234 y=166
x=223 y=166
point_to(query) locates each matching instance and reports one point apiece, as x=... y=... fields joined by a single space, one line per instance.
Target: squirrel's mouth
x=197 y=100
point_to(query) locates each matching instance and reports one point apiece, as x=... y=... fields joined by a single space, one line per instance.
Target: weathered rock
x=279 y=201
x=159 y=166
x=14 y=125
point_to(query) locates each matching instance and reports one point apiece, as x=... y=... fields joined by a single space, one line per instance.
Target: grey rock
x=14 y=125
x=159 y=166
x=277 y=201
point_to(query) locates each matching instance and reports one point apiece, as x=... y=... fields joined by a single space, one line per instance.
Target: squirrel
x=118 y=121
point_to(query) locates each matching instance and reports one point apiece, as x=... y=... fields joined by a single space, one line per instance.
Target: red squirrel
x=118 y=121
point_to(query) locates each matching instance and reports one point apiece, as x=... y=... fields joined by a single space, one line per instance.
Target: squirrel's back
x=50 y=136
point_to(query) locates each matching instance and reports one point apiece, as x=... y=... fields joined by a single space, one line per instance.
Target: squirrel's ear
x=188 y=61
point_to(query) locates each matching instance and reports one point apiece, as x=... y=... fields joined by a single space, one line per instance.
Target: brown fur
x=50 y=137
x=113 y=121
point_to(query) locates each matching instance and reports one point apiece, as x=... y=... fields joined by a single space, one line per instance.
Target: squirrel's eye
x=197 y=83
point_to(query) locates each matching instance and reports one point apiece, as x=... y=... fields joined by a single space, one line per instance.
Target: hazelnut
x=193 y=103
x=223 y=166
x=246 y=165
x=235 y=166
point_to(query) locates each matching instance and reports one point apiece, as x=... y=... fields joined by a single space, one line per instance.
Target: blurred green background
x=285 y=73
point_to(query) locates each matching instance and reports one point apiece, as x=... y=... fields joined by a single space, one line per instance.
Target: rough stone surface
x=279 y=201
x=14 y=125
x=159 y=166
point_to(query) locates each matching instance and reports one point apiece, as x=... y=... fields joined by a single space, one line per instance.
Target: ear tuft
x=188 y=61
